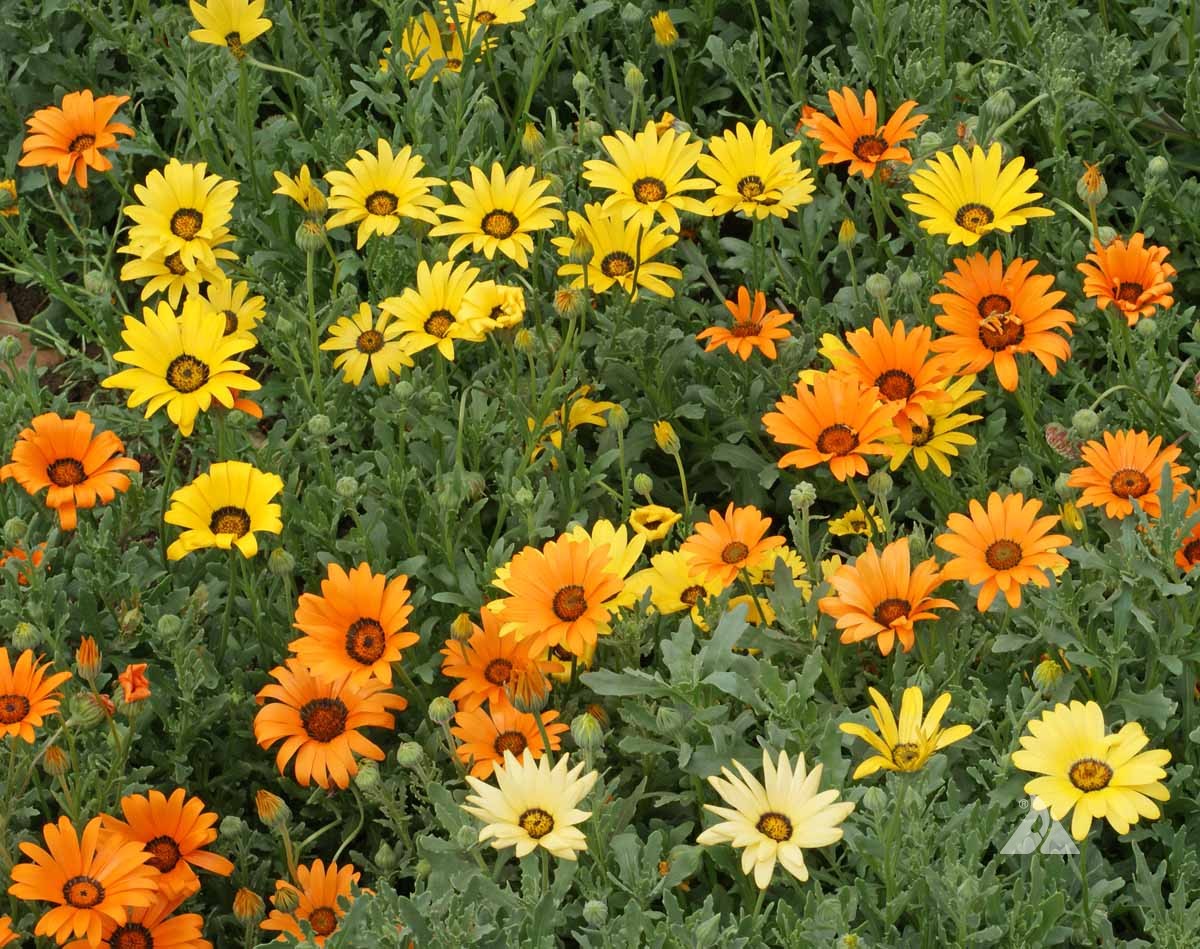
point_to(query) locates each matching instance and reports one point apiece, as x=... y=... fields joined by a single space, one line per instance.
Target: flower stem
x=1087 y=896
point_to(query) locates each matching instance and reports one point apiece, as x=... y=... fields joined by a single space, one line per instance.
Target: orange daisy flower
x=1125 y=467
x=754 y=327
x=319 y=720
x=729 y=543
x=836 y=422
x=855 y=135
x=18 y=553
x=487 y=733
x=152 y=927
x=1134 y=277
x=320 y=892
x=356 y=627
x=6 y=931
x=993 y=313
x=883 y=596
x=1003 y=547
x=559 y=596
x=492 y=666
x=73 y=135
x=174 y=831
x=89 y=880
x=77 y=466
x=27 y=694
x=135 y=684
x=897 y=363
x=1188 y=554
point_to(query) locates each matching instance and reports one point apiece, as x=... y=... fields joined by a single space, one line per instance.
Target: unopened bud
x=802 y=497
x=281 y=563
x=581 y=84
x=1047 y=674
x=999 y=106
x=880 y=484
x=26 y=635
x=385 y=857
x=668 y=719
x=1157 y=166
x=346 y=487
x=1021 y=478
x=666 y=438
x=878 y=286
x=87 y=659
x=368 y=776
x=523 y=340
x=590 y=131
x=462 y=628
x=1085 y=423
x=618 y=418
x=846 y=234
x=910 y=282
x=1059 y=439
x=169 y=625
x=595 y=913
x=635 y=81
x=55 y=761
x=1062 y=486
x=643 y=484
x=1146 y=328
x=1091 y=186
x=665 y=34
x=319 y=425
x=581 y=249
x=233 y=827
x=271 y=808
x=15 y=530
x=441 y=710
x=569 y=301
x=410 y=754
x=286 y=899
x=533 y=142
x=586 y=732
x=248 y=906
x=875 y=799
x=310 y=235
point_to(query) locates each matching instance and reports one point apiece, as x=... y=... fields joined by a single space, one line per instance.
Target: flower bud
x=55 y=761
x=281 y=563
x=1157 y=167
x=319 y=425
x=10 y=347
x=1085 y=423
x=346 y=487
x=802 y=497
x=1106 y=235
x=462 y=628
x=233 y=827
x=1061 y=487
x=87 y=659
x=441 y=710
x=368 y=776
x=635 y=81
x=1091 y=186
x=423 y=868
x=581 y=84
x=599 y=713
x=410 y=754
x=404 y=390
x=248 y=906
x=96 y=282
x=8 y=196
x=581 y=249
x=665 y=34
x=668 y=719
x=271 y=808
x=643 y=484
x=1146 y=327
x=999 y=106
x=385 y=857
x=169 y=625
x=89 y=709
x=878 y=286
x=1047 y=674
x=846 y=234
x=595 y=913
x=286 y=899
x=880 y=484
x=533 y=142
x=310 y=235
x=618 y=418
x=910 y=282
x=666 y=438
x=15 y=530
x=590 y=131
x=523 y=340
x=876 y=799
x=929 y=142
x=25 y=636
x=586 y=732
x=1059 y=439
x=631 y=14
x=569 y=301
x=1021 y=478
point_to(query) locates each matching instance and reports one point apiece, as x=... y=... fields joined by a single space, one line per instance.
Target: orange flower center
x=993 y=304
x=895 y=385
x=648 y=190
x=324 y=719
x=974 y=217
x=369 y=341
x=691 y=595
x=569 y=603
x=735 y=552
x=745 y=328
x=536 y=822
x=837 y=440
x=1129 y=292
x=174 y=263
x=485 y=17
x=365 y=641
x=891 y=610
x=750 y=187
x=13 y=709
x=186 y=223
x=81 y=143
x=775 y=826
x=498 y=671
x=1129 y=483
x=186 y=373
x=1001 y=331
x=66 y=472
x=131 y=936
x=905 y=755
x=1003 y=555
x=1088 y=774
x=439 y=322
x=1191 y=551
x=617 y=264
x=454 y=65
x=869 y=147
x=164 y=853
x=83 y=892
x=382 y=203
x=230 y=520
x=499 y=224
x=510 y=741
x=323 y=920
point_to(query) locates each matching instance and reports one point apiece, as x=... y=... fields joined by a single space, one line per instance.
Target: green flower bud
x=595 y=913
x=441 y=710
x=1146 y=328
x=347 y=487
x=581 y=84
x=643 y=484
x=474 y=485
x=929 y=142
x=10 y=348
x=533 y=142
x=26 y=636
x=880 y=484
x=319 y=425
x=1158 y=166
x=878 y=286
x=1047 y=674
x=1085 y=423
x=403 y=390
x=281 y=563
x=15 y=530
x=385 y=857
x=368 y=775
x=668 y=719
x=587 y=732
x=169 y=625
x=999 y=106
x=1061 y=487
x=632 y=14
x=422 y=868
x=1021 y=478
x=635 y=81
x=802 y=497
x=1105 y=235
x=233 y=827
x=590 y=131
x=618 y=418
x=310 y=235
x=86 y=710
x=286 y=899
x=410 y=754
x=97 y=282
x=876 y=799
x=910 y=282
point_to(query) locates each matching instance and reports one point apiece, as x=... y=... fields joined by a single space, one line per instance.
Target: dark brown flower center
x=1001 y=331
x=905 y=755
x=438 y=323
x=891 y=610
x=1003 y=555
x=66 y=472
x=1129 y=483
x=131 y=936
x=365 y=641
x=742 y=329
x=735 y=552
x=921 y=435
x=617 y=264
x=382 y=203
x=775 y=826
x=324 y=719
x=837 y=439
x=536 y=822
x=869 y=147
x=485 y=17
x=498 y=671
x=230 y=520
x=186 y=373
x=510 y=741
x=992 y=304
x=569 y=603
x=649 y=190
x=974 y=217
x=1089 y=774
x=1191 y=551
x=369 y=341
x=691 y=595
x=83 y=892
x=174 y=263
x=751 y=187
x=81 y=143
x=323 y=920
x=1129 y=292
x=234 y=42
x=164 y=853
x=186 y=223
x=13 y=709
x=499 y=224
x=895 y=385
x=231 y=321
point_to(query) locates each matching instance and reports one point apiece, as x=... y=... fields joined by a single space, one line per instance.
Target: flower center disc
x=974 y=217
x=499 y=224
x=13 y=709
x=751 y=187
x=382 y=203
x=485 y=17
x=498 y=671
x=324 y=719
x=616 y=264
x=1129 y=483
x=869 y=147
x=905 y=755
x=164 y=853
x=649 y=190
x=569 y=603
x=83 y=892
x=742 y=329
x=993 y=304
x=735 y=552
x=174 y=263
x=691 y=595
x=1003 y=555
x=81 y=143
x=186 y=373
x=66 y=472
x=186 y=223
x=1191 y=552
x=536 y=822
x=439 y=322
x=323 y=920
x=921 y=436
x=1088 y=774
x=234 y=42
x=230 y=520
x=1129 y=292
x=891 y=610
x=131 y=936
x=365 y=641
x=776 y=826
x=1001 y=331
x=895 y=385
x=369 y=341
x=837 y=440
x=510 y=741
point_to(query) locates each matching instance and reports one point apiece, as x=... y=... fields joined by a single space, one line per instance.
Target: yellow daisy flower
x=302 y=190
x=241 y=312
x=752 y=176
x=168 y=273
x=653 y=521
x=183 y=211
x=501 y=304
x=579 y=410
x=909 y=745
x=854 y=521
x=966 y=196
x=489 y=12
x=427 y=42
x=940 y=439
x=8 y=198
x=498 y=213
x=182 y=362
x=648 y=176
x=1081 y=767
x=225 y=507
x=379 y=189
x=617 y=256
x=232 y=23
x=366 y=342
x=622 y=551
x=674 y=584
x=440 y=310
x=776 y=819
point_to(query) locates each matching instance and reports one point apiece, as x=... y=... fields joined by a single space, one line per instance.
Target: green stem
x=165 y=499
x=1087 y=895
